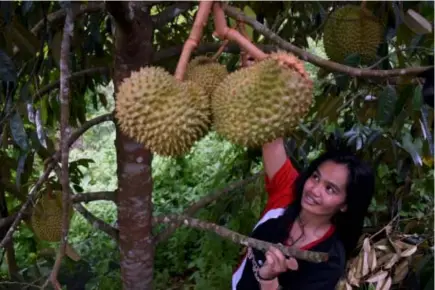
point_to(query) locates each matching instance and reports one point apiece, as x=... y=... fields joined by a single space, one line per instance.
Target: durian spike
x=244 y=56
x=220 y=50
x=292 y=62
x=224 y=32
x=192 y=42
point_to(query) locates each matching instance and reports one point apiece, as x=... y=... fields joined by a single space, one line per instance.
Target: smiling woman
x=320 y=209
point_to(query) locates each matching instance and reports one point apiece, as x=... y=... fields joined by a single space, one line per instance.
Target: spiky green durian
x=352 y=30
x=166 y=115
x=257 y=104
x=206 y=72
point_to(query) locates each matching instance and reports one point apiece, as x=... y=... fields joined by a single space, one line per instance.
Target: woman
x=322 y=209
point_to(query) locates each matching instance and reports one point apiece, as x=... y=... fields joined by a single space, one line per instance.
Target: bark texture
x=133 y=49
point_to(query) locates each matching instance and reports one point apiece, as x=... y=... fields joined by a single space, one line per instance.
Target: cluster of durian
x=249 y=107
x=352 y=29
x=46 y=218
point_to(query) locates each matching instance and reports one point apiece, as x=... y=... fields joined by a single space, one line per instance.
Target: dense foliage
x=386 y=120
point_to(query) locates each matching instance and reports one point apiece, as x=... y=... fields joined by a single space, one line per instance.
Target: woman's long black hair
x=359 y=191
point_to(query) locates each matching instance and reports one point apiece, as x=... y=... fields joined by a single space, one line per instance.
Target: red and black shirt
x=309 y=276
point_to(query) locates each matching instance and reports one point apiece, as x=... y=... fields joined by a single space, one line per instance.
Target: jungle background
x=388 y=119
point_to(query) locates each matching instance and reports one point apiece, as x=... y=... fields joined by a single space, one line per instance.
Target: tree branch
x=235 y=237
x=68 y=31
x=192 y=209
x=58 y=16
x=46 y=89
x=93 y=196
x=170 y=13
x=318 y=61
x=120 y=13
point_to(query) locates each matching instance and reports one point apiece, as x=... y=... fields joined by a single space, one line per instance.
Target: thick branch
x=120 y=13
x=96 y=222
x=314 y=257
x=64 y=136
x=58 y=16
x=170 y=13
x=93 y=196
x=318 y=61
x=192 y=209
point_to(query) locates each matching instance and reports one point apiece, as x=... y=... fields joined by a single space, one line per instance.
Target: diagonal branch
x=315 y=257
x=318 y=61
x=170 y=13
x=192 y=209
x=50 y=166
x=93 y=196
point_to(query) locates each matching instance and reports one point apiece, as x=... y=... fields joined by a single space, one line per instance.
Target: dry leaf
x=366 y=245
x=379 y=276
x=365 y=265
x=372 y=260
x=409 y=251
x=400 y=271
x=385 y=258
x=392 y=262
x=387 y=284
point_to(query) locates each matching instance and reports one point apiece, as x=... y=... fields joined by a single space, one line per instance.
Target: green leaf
x=18 y=132
x=386 y=105
x=411 y=148
x=417 y=99
x=250 y=13
x=20 y=168
x=8 y=71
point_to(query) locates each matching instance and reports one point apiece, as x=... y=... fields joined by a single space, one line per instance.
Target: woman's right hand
x=276 y=263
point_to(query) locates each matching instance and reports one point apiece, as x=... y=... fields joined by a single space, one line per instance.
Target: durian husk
x=166 y=115
x=257 y=104
x=46 y=218
x=352 y=30
x=206 y=72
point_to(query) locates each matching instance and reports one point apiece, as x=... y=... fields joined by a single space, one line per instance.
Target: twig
x=318 y=61
x=170 y=13
x=194 y=38
x=192 y=209
x=224 y=32
x=315 y=257
x=55 y=84
x=220 y=50
x=60 y=14
x=68 y=30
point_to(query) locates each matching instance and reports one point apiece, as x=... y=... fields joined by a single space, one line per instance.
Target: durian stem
x=244 y=56
x=224 y=32
x=220 y=50
x=192 y=42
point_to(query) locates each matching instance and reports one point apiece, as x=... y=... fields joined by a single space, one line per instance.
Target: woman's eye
x=330 y=189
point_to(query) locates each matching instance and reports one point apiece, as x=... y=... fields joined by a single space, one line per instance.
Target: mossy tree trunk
x=133 y=49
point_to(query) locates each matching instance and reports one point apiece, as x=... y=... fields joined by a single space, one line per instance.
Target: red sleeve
x=280 y=187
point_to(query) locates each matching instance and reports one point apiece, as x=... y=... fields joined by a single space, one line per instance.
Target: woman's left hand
x=276 y=263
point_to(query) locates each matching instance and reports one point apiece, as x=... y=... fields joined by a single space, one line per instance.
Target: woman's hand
x=276 y=263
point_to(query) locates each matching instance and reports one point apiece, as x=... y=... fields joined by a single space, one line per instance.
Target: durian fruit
x=166 y=115
x=46 y=218
x=350 y=30
x=259 y=103
x=206 y=72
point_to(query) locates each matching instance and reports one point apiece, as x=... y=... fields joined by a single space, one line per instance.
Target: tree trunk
x=133 y=49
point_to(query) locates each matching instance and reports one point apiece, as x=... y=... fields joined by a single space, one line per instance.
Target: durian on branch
x=318 y=61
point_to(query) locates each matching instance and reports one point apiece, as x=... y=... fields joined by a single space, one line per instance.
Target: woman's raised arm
x=274 y=156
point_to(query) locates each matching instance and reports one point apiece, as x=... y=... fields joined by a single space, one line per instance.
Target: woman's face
x=325 y=190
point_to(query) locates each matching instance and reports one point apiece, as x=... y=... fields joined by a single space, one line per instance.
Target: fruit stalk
x=220 y=50
x=224 y=32
x=192 y=42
